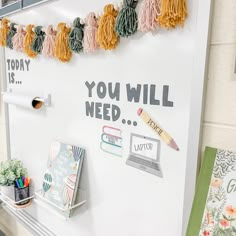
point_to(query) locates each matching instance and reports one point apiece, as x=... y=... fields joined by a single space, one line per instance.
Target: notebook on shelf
x=214 y=206
x=62 y=176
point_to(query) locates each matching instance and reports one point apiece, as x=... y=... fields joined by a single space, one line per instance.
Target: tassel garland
x=127 y=19
x=49 y=42
x=62 y=50
x=3 y=32
x=10 y=35
x=173 y=13
x=90 y=30
x=28 y=40
x=18 y=39
x=148 y=15
x=76 y=36
x=106 y=35
x=37 y=43
x=96 y=32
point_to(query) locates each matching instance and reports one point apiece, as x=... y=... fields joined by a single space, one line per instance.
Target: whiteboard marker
x=163 y=134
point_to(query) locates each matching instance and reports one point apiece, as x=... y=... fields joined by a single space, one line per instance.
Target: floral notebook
x=61 y=179
x=214 y=207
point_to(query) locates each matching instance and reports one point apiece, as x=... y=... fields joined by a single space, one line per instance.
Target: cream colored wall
x=219 y=125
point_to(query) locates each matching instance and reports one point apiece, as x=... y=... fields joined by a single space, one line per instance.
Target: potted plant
x=10 y=170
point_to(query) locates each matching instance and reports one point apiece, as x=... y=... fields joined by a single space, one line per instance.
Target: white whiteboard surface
x=121 y=200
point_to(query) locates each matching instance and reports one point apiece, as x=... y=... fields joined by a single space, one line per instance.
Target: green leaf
x=10 y=170
x=225 y=217
x=234 y=229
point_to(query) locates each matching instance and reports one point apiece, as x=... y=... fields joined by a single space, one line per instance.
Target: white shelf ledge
x=61 y=211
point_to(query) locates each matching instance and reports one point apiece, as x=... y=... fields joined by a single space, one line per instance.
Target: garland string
x=94 y=33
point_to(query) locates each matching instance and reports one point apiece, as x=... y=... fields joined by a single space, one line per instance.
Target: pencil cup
x=21 y=194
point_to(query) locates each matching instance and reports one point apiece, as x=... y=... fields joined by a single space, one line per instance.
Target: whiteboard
x=121 y=200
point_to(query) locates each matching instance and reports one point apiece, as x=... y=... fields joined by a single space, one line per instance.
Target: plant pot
x=8 y=191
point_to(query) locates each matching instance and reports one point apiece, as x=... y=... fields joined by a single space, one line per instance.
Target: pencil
x=157 y=129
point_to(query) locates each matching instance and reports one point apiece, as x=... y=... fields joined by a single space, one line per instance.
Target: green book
x=214 y=206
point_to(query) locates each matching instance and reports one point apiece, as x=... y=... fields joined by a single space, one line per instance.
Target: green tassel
x=37 y=44
x=127 y=19
x=10 y=35
x=76 y=36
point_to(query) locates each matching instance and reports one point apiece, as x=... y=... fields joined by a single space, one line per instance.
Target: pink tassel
x=49 y=42
x=18 y=39
x=90 y=30
x=148 y=15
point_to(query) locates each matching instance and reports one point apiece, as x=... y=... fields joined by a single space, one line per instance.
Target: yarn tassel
x=173 y=13
x=10 y=35
x=3 y=32
x=28 y=40
x=18 y=39
x=127 y=19
x=148 y=15
x=37 y=44
x=76 y=36
x=49 y=42
x=90 y=30
x=62 y=50
x=106 y=35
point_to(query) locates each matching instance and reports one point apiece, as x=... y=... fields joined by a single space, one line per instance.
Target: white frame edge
x=3 y=77
x=196 y=105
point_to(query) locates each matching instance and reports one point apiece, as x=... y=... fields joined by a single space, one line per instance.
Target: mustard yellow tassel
x=173 y=13
x=3 y=32
x=106 y=35
x=62 y=50
x=28 y=40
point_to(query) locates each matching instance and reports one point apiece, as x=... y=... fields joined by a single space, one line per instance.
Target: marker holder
x=21 y=194
x=11 y=202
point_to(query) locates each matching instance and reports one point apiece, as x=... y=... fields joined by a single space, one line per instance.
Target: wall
x=219 y=125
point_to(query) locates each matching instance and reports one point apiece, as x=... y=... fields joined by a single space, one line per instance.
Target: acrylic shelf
x=64 y=212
